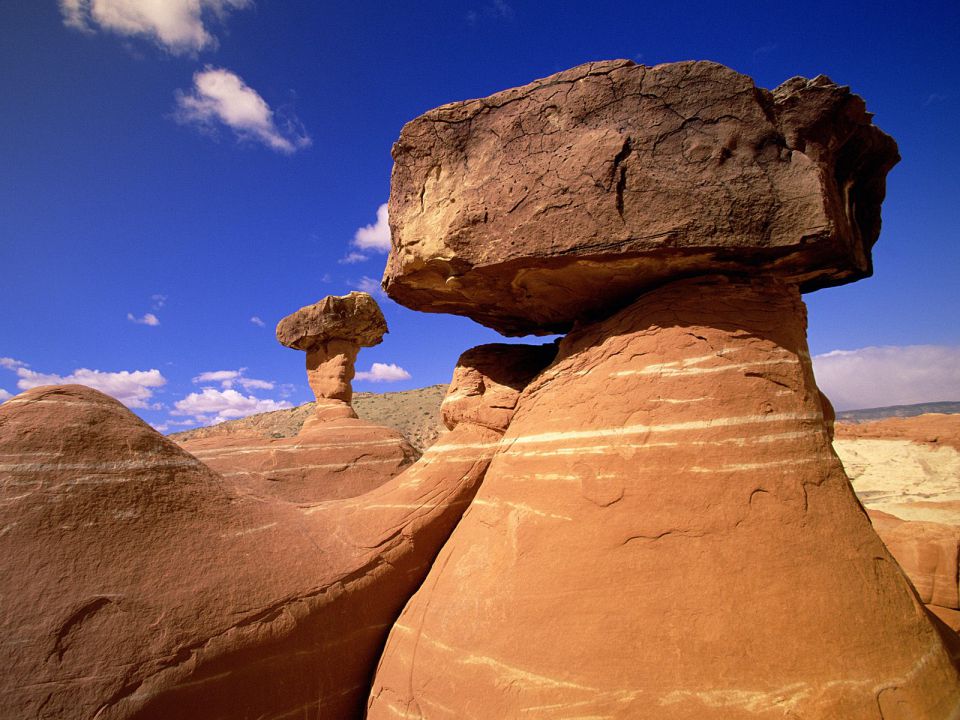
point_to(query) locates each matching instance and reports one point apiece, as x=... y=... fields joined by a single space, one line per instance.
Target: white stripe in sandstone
x=561 y=436
x=520 y=507
x=677 y=372
x=515 y=674
x=223 y=452
x=50 y=467
x=300 y=468
x=740 y=467
x=788 y=696
x=250 y=531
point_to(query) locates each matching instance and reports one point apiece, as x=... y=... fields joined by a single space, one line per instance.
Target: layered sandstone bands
x=666 y=532
x=214 y=604
x=563 y=199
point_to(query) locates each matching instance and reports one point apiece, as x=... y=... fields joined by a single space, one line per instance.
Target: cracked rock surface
x=666 y=532
x=561 y=200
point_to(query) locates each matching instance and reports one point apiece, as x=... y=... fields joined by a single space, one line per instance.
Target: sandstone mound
x=665 y=530
x=137 y=584
x=554 y=202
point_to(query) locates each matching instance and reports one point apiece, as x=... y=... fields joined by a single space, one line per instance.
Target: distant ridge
x=857 y=416
x=416 y=414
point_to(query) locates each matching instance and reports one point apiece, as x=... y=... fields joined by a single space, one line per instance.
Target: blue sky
x=140 y=232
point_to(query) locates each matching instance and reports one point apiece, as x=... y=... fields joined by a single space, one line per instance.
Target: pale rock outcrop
x=553 y=202
x=907 y=467
x=335 y=454
x=665 y=530
x=137 y=584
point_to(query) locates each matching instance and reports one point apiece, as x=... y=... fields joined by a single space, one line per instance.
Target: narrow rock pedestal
x=666 y=532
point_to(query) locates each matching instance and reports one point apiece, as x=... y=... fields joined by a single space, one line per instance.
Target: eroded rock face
x=497 y=373
x=665 y=531
x=928 y=554
x=135 y=584
x=561 y=200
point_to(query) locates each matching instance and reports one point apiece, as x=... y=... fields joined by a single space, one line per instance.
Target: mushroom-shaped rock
x=354 y=317
x=665 y=532
x=137 y=584
x=561 y=200
x=331 y=332
x=665 y=510
x=335 y=454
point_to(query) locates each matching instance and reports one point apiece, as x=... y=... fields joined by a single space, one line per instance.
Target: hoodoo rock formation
x=515 y=208
x=137 y=584
x=335 y=454
x=332 y=332
x=665 y=530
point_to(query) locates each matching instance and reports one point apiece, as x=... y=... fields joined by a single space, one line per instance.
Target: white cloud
x=351 y=258
x=177 y=25
x=229 y=378
x=253 y=384
x=890 y=375
x=224 y=377
x=382 y=372
x=148 y=319
x=377 y=236
x=257 y=321
x=4 y=395
x=215 y=406
x=158 y=301
x=11 y=364
x=368 y=285
x=220 y=96
x=133 y=388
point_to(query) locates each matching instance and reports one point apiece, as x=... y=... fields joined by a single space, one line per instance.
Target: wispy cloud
x=4 y=395
x=228 y=378
x=935 y=98
x=220 y=97
x=148 y=319
x=178 y=26
x=133 y=388
x=383 y=372
x=257 y=321
x=889 y=375
x=11 y=364
x=376 y=236
x=158 y=301
x=215 y=406
x=764 y=50
x=368 y=285
x=351 y=258
x=494 y=10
